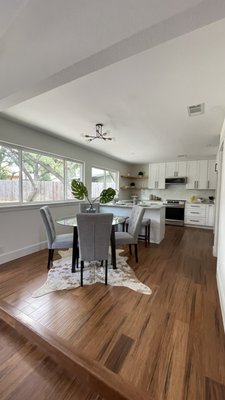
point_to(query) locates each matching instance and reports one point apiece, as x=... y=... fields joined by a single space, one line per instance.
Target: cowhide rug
x=60 y=276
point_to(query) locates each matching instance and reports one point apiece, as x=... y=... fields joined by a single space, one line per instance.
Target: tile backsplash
x=176 y=192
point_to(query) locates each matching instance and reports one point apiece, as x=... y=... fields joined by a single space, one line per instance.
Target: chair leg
x=50 y=257
x=130 y=249
x=81 y=272
x=146 y=236
x=136 y=252
x=149 y=234
x=106 y=272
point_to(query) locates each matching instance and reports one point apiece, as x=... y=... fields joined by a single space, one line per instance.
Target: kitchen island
x=156 y=212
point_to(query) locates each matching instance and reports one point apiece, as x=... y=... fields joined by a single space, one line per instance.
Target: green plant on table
x=80 y=192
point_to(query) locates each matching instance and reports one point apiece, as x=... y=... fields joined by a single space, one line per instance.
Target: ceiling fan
x=98 y=134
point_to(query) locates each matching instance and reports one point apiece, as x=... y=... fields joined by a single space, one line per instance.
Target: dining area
x=94 y=235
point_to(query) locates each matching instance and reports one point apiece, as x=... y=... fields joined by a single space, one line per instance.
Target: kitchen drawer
x=195 y=213
x=195 y=210
x=195 y=221
x=195 y=206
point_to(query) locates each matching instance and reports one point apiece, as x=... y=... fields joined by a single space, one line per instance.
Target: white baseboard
x=214 y=251
x=12 y=255
x=221 y=292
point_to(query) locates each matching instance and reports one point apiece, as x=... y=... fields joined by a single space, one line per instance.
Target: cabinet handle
x=194 y=212
x=208 y=185
x=194 y=184
x=194 y=220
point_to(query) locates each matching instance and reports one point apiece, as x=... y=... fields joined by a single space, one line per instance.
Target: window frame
x=64 y=159
x=105 y=170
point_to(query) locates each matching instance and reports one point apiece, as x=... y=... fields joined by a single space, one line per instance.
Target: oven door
x=174 y=215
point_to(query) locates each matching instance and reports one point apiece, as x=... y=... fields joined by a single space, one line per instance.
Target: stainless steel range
x=175 y=212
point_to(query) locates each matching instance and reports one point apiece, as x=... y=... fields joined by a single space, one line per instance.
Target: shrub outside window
x=29 y=176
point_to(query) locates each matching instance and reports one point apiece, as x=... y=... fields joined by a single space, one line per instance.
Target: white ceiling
x=66 y=66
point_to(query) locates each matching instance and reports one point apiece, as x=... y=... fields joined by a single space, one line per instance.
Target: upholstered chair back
x=135 y=219
x=49 y=225
x=94 y=232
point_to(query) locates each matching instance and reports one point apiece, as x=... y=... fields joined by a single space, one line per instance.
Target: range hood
x=176 y=180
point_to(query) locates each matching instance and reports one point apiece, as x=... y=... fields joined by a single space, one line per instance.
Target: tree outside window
x=44 y=177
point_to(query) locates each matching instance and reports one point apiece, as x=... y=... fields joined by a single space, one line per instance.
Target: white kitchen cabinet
x=210 y=215
x=176 y=169
x=212 y=175
x=197 y=174
x=195 y=214
x=199 y=214
x=156 y=176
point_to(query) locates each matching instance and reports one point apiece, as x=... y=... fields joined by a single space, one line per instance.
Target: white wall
x=21 y=229
x=219 y=243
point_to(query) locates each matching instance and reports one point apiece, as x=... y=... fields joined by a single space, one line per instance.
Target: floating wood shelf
x=133 y=187
x=134 y=177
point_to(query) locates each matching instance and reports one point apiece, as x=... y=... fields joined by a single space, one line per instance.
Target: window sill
x=31 y=206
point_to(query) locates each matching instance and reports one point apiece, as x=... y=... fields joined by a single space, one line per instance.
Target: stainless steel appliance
x=175 y=212
x=176 y=180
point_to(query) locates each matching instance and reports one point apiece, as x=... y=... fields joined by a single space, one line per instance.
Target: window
x=29 y=176
x=9 y=175
x=102 y=179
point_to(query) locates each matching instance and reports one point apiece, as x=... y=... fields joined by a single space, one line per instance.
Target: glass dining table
x=72 y=221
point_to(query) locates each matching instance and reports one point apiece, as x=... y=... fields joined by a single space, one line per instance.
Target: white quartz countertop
x=130 y=205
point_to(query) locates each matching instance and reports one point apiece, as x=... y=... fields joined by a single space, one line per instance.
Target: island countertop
x=130 y=205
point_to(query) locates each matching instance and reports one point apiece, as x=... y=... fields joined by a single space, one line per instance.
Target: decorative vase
x=91 y=210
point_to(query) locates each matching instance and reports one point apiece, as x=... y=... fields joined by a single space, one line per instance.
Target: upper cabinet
x=212 y=175
x=176 y=169
x=197 y=174
x=200 y=174
x=157 y=176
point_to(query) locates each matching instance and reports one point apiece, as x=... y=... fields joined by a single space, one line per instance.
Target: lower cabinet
x=199 y=214
x=210 y=215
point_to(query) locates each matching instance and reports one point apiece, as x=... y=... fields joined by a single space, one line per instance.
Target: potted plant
x=80 y=192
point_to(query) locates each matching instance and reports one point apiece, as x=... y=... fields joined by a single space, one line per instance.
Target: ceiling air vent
x=196 y=110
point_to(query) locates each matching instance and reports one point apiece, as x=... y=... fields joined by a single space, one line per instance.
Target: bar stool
x=146 y=224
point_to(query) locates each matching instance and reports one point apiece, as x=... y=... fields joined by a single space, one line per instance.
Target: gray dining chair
x=146 y=225
x=94 y=232
x=131 y=236
x=62 y=241
x=85 y=206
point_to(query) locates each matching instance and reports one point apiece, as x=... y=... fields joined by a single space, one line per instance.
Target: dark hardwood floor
x=167 y=346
